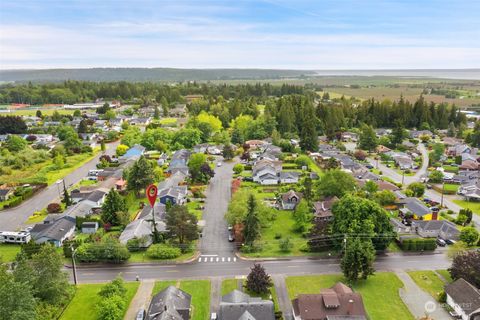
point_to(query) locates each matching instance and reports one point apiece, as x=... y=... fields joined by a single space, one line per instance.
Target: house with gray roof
x=170 y=304
x=290 y=200
x=414 y=206
x=436 y=229
x=464 y=298
x=54 y=230
x=240 y=306
x=174 y=195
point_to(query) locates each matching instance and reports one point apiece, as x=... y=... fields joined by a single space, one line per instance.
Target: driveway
x=14 y=219
x=214 y=242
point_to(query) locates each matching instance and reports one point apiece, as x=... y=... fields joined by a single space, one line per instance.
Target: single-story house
x=55 y=230
x=255 y=144
x=237 y=305
x=141 y=228
x=417 y=208
x=464 y=298
x=95 y=197
x=171 y=303
x=337 y=302
x=290 y=199
x=174 y=195
x=436 y=229
x=322 y=210
x=134 y=152
x=289 y=177
x=89 y=227
x=5 y=194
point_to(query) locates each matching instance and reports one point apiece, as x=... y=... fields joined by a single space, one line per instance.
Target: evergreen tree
x=368 y=138
x=251 y=229
x=357 y=260
x=451 y=130
x=140 y=175
x=66 y=197
x=182 y=224
x=113 y=204
x=308 y=131
x=228 y=152
x=398 y=133
x=156 y=113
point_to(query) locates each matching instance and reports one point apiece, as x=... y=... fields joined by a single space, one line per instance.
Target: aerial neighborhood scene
x=251 y=160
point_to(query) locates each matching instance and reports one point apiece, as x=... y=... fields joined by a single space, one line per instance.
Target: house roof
x=337 y=301
x=288 y=196
x=437 y=225
x=237 y=305
x=170 y=303
x=289 y=175
x=55 y=229
x=464 y=294
x=323 y=209
x=416 y=206
x=175 y=192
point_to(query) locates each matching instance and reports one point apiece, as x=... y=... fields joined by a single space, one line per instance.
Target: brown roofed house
x=337 y=302
x=322 y=210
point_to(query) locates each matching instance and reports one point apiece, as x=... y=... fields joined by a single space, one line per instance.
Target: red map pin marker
x=152 y=191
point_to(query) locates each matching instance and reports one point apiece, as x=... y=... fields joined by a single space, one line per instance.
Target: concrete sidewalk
x=418 y=301
x=140 y=300
x=284 y=303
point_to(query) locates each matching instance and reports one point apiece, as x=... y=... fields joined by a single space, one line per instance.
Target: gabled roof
x=55 y=229
x=237 y=305
x=416 y=206
x=288 y=196
x=289 y=175
x=437 y=225
x=465 y=295
x=170 y=303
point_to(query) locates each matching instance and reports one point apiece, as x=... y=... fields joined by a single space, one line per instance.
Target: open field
x=8 y=252
x=380 y=292
x=33 y=112
x=429 y=282
x=83 y=304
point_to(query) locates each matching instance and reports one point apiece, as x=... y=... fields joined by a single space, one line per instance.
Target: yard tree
x=12 y=124
x=354 y=215
x=436 y=176
x=82 y=126
x=66 y=197
x=357 y=260
x=113 y=204
x=238 y=209
x=307 y=189
x=238 y=168
x=200 y=170
x=16 y=298
x=228 y=152
x=417 y=189
x=102 y=146
x=468 y=215
x=15 y=143
x=181 y=224
x=156 y=113
x=205 y=129
x=38 y=114
x=398 y=133
x=368 y=138
x=451 y=130
x=370 y=188
x=251 y=224
x=258 y=281
x=111 y=308
x=475 y=135
x=43 y=272
x=308 y=132
x=438 y=150
x=466 y=265
x=164 y=103
x=302 y=161
x=385 y=197
x=116 y=287
x=469 y=235
x=140 y=175
x=187 y=138
x=131 y=136
x=303 y=216
x=335 y=183
x=121 y=149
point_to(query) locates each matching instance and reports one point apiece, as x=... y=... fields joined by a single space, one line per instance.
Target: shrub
x=285 y=245
x=111 y=308
x=54 y=208
x=137 y=244
x=238 y=168
x=302 y=161
x=109 y=250
x=162 y=251
x=114 y=288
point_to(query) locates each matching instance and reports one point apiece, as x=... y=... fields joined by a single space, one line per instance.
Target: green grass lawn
x=474 y=206
x=168 y=121
x=45 y=112
x=160 y=285
x=445 y=274
x=200 y=291
x=37 y=216
x=228 y=285
x=8 y=252
x=141 y=256
x=452 y=169
x=380 y=292
x=194 y=207
x=429 y=282
x=451 y=187
x=83 y=304
x=133 y=204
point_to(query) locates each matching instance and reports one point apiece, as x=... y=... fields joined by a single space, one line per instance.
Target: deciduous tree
x=258 y=280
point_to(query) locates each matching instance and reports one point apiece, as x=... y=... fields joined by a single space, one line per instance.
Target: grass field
x=45 y=112
x=83 y=304
x=198 y=289
x=429 y=282
x=8 y=252
x=228 y=285
x=380 y=293
x=168 y=122
x=451 y=187
x=46 y=171
x=474 y=206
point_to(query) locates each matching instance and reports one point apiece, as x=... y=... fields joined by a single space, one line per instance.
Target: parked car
x=369 y=166
x=441 y=242
x=141 y=314
x=219 y=164
x=429 y=186
x=213 y=316
x=435 y=209
x=450 y=241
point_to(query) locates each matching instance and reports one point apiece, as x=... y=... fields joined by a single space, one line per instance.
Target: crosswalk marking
x=216 y=259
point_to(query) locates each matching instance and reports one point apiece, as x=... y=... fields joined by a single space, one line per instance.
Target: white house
x=464 y=299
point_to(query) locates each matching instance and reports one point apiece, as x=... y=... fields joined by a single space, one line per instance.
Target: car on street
x=219 y=164
x=450 y=241
x=369 y=166
x=441 y=242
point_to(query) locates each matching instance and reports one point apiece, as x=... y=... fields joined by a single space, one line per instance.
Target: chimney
x=165 y=307
x=350 y=307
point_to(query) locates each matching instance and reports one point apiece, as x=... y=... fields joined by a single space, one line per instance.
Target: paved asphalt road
x=214 y=241
x=13 y=219
x=204 y=270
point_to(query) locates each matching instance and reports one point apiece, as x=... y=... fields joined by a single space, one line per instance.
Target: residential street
x=13 y=219
x=214 y=242
x=300 y=266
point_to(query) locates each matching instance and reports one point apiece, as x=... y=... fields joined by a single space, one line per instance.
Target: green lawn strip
x=429 y=282
x=228 y=285
x=37 y=217
x=141 y=256
x=160 y=285
x=474 y=206
x=8 y=252
x=133 y=203
x=380 y=292
x=451 y=187
x=168 y=121
x=452 y=169
x=194 y=207
x=446 y=275
x=200 y=292
x=83 y=304
x=45 y=112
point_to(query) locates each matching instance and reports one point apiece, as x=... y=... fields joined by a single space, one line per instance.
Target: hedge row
x=419 y=244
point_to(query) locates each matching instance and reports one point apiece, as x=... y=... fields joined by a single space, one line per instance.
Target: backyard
x=380 y=292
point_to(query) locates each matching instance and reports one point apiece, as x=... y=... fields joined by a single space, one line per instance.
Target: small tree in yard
x=302 y=216
x=114 y=288
x=182 y=224
x=228 y=152
x=238 y=168
x=417 y=189
x=113 y=204
x=66 y=197
x=54 y=208
x=469 y=235
x=140 y=175
x=258 y=281
x=357 y=260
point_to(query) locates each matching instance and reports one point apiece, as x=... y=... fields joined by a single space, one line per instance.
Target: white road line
x=217 y=259
x=223 y=259
x=209 y=255
x=199 y=259
x=211 y=259
x=228 y=259
x=234 y=259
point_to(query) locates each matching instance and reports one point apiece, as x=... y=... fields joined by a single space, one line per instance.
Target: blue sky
x=283 y=34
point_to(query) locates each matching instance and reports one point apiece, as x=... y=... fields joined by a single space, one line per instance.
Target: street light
x=74 y=265
x=443 y=191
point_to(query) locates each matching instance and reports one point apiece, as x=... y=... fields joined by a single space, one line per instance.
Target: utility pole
x=345 y=243
x=74 y=265
x=443 y=191
x=403 y=176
